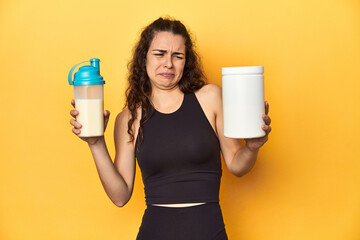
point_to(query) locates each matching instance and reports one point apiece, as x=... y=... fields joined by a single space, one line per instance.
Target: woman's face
x=165 y=60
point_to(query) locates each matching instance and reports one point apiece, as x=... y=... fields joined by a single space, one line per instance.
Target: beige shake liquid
x=91 y=116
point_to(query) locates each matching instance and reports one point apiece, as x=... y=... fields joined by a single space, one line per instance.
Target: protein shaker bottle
x=243 y=101
x=89 y=98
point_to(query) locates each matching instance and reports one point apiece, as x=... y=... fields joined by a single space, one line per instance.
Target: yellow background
x=305 y=184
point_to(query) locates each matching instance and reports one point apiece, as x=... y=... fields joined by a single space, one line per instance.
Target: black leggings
x=202 y=222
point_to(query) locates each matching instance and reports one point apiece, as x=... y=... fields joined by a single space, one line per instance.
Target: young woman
x=173 y=126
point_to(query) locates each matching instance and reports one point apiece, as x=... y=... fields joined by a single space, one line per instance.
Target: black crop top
x=179 y=157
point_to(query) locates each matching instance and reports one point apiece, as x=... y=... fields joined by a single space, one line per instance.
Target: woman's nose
x=168 y=62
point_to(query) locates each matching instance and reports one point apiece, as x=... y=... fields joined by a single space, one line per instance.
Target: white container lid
x=242 y=70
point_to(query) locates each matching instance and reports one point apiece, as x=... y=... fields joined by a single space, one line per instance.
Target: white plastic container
x=243 y=101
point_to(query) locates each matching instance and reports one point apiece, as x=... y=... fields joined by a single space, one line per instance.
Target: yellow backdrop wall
x=305 y=184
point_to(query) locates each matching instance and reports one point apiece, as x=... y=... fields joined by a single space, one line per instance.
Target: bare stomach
x=179 y=204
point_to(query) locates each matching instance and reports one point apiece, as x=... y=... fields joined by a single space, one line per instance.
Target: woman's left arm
x=239 y=159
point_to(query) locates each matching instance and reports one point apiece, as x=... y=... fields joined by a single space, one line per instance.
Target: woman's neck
x=167 y=100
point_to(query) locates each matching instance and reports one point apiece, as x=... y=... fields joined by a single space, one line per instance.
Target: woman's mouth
x=167 y=75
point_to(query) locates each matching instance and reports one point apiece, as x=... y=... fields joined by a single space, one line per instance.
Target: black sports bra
x=179 y=157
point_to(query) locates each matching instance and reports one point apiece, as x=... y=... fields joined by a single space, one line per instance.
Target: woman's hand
x=77 y=126
x=255 y=143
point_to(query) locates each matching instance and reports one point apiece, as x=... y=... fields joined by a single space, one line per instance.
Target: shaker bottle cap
x=87 y=75
x=242 y=70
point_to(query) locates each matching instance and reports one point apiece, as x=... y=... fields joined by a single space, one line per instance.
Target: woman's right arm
x=117 y=178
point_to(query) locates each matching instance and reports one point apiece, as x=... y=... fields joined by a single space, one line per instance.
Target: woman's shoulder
x=125 y=115
x=210 y=98
x=209 y=92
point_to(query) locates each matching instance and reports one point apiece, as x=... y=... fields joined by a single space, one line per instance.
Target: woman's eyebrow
x=179 y=53
x=159 y=50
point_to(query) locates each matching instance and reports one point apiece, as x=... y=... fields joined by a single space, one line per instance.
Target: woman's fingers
x=75 y=123
x=76 y=131
x=266 y=119
x=77 y=126
x=74 y=113
x=266 y=128
x=266 y=107
x=107 y=116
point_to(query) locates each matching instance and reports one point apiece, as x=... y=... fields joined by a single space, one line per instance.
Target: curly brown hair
x=139 y=91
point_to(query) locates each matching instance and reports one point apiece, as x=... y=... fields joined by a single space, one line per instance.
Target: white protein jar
x=243 y=101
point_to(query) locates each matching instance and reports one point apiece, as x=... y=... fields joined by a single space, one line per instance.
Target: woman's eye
x=161 y=54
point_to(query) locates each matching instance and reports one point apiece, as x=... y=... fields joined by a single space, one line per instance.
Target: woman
x=173 y=126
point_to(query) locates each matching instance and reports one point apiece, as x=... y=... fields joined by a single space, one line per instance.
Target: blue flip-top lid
x=87 y=75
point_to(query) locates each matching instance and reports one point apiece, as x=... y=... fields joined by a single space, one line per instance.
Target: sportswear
x=203 y=222
x=179 y=156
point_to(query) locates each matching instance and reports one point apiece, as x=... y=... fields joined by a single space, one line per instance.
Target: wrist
x=96 y=142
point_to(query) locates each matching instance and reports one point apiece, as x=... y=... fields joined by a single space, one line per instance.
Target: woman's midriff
x=179 y=204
